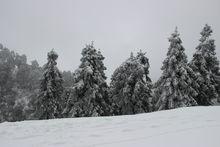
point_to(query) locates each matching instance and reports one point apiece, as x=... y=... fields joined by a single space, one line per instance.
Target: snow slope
x=186 y=127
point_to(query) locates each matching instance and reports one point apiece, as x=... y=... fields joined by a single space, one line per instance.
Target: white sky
x=117 y=27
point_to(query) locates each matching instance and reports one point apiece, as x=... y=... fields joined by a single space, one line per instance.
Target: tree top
x=52 y=55
x=206 y=32
x=175 y=36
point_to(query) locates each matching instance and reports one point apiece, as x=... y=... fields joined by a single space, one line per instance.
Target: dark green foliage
x=130 y=87
x=89 y=95
x=206 y=66
x=7 y=93
x=174 y=88
x=68 y=79
x=49 y=103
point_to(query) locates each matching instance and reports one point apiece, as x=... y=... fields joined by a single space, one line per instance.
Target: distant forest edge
x=29 y=91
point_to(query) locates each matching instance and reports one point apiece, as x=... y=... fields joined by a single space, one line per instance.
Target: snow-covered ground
x=184 y=127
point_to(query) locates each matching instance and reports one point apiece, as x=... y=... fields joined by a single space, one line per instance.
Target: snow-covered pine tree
x=130 y=87
x=49 y=103
x=89 y=95
x=206 y=65
x=174 y=88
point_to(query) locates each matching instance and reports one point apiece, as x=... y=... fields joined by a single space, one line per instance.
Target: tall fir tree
x=130 y=87
x=174 y=88
x=206 y=65
x=89 y=95
x=49 y=103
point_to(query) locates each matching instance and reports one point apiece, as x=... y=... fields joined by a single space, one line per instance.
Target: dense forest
x=29 y=91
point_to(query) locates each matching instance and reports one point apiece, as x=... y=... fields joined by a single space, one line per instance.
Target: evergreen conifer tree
x=174 y=88
x=130 y=87
x=89 y=95
x=49 y=103
x=206 y=66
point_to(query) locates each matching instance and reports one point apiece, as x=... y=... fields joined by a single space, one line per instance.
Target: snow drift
x=195 y=126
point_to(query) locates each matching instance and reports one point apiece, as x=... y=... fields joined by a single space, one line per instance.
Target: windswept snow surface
x=183 y=127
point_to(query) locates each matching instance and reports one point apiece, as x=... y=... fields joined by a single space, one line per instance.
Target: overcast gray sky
x=117 y=27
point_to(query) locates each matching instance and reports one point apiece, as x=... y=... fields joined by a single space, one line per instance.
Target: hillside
x=195 y=126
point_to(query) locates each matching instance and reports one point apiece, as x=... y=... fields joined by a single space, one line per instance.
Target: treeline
x=28 y=91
